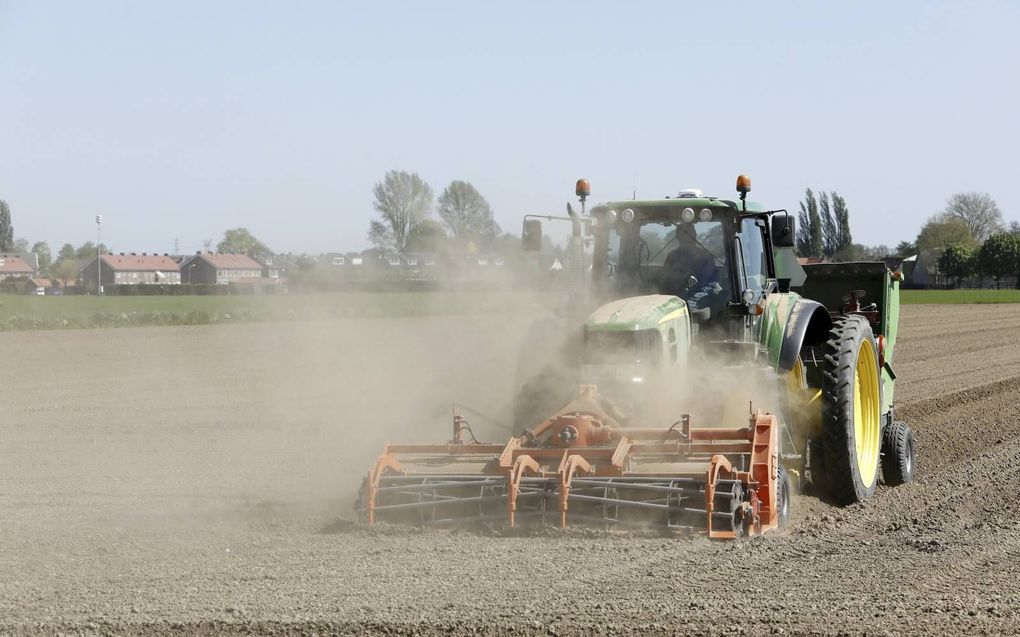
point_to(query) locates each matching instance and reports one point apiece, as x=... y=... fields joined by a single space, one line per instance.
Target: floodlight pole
x=99 y=255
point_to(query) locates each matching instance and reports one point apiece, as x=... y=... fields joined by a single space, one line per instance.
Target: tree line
x=969 y=237
x=404 y=204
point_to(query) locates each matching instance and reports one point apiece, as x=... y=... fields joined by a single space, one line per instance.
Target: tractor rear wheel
x=851 y=410
x=897 y=454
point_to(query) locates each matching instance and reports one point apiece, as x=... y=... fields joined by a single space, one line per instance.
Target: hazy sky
x=181 y=119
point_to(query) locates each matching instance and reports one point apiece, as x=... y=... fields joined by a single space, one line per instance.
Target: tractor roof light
x=743 y=187
x=610 y=216
x=627 y=215
x=687 y=215
x=582 y=188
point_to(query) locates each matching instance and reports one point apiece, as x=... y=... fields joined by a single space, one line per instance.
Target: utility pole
x=99 y=254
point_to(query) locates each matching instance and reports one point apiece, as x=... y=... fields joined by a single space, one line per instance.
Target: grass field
x=55 y=312
x=19 y=312
x=959 y=296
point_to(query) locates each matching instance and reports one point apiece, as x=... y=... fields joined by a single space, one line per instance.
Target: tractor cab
x=715 y=254
x=703 y=250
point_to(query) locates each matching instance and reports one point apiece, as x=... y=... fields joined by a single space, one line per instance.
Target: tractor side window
x=752 y=248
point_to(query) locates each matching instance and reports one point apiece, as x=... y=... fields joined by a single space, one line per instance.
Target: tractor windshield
x=668 y=257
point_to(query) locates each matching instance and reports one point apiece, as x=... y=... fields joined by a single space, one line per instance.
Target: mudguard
x=809 y=322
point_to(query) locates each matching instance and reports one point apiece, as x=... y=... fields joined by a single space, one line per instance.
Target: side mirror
x=532 y=237
x=784 y=231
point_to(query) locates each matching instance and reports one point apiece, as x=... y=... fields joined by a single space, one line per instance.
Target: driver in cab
x=690 y=273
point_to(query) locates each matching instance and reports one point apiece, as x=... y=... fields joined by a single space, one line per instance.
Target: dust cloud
x=141 y=428
x=715 y=392
x=157 y=427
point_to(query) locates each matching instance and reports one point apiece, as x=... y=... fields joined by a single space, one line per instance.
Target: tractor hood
x=635 y=313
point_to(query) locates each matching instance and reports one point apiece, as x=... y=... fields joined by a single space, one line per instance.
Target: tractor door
x=753 y=272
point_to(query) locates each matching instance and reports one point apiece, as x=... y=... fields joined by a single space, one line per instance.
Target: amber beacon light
x=582 y=189
x=743 y=184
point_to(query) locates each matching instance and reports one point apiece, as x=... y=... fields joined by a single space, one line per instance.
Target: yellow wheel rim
x=795 y=377
x=867 y=427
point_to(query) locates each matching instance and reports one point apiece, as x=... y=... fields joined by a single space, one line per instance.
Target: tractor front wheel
x=851 y=410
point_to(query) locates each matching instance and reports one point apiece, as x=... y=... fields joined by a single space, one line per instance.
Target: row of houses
x=202 y=268
x=211 y=268
x=207 y=268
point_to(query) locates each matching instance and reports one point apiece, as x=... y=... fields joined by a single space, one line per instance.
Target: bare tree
x=402 y=200
x=466 y=213
x=976 y=209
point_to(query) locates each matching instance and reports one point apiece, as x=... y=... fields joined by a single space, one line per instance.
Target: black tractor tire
x=784 y=496
x=851 y=409
x=898 y=454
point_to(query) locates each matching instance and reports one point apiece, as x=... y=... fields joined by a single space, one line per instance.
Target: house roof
x=229 y=261
x=10 y=264
x=140 y=263
x=42 y=283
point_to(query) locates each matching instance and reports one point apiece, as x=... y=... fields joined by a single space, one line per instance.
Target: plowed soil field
x=198 y=480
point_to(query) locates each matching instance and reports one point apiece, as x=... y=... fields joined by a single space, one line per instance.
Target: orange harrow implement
x=580 y=466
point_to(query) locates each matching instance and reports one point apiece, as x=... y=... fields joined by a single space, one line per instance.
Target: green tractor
x=689 y=386
x=707 y=284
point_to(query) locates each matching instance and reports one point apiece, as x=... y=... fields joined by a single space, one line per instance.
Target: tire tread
x=842 y=479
